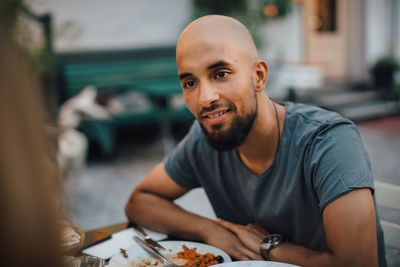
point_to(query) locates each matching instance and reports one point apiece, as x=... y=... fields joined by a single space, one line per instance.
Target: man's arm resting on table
x=151 y=205
x=350 y=229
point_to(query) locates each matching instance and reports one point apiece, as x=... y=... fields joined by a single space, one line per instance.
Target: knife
x=148 y=238
x=153 y=251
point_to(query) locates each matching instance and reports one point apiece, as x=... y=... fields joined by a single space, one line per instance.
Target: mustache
x=215 y=106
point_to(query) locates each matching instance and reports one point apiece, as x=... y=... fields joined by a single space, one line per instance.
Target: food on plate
x=187 y=257
x=146 y=262
x=123 y=252
x=193 y=258
x=140 y=262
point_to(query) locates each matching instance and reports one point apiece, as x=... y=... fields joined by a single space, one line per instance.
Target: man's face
x=218 y=89
x=234 y=135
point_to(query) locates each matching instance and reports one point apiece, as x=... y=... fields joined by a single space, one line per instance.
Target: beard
x=237 y=133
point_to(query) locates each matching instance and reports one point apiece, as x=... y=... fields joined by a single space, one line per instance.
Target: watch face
x=268 y=243
x=273 y=240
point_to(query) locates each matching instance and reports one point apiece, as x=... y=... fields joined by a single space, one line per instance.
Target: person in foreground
x=290 y=183
x=29 y=181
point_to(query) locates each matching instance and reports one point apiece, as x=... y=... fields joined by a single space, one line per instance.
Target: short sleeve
x=179 y=162
x=338 y=162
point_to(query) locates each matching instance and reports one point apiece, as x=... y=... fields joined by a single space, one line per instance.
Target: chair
x=388 y=196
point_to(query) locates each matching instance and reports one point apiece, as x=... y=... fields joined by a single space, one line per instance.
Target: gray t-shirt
x=320 y=158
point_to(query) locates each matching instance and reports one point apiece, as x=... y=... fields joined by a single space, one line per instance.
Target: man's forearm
x=291 y=253
x=164 y=216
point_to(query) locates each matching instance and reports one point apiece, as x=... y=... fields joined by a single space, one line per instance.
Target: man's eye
x=189 y=84
x=221 y=74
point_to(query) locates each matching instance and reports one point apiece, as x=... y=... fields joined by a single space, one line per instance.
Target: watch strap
x=270 y=242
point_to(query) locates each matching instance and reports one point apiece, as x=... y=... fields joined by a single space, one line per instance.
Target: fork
x=155 y=252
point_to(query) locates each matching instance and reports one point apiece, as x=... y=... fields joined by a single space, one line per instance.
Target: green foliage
x=9 y=12
x=387 y=62
x=14 y=20
x=251 y=8
x=249 y=12
x=42 y=60
x=221 y=7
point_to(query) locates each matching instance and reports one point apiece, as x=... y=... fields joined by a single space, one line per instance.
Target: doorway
x=335 y=38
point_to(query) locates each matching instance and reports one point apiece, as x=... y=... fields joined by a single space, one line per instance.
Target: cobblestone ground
x=382 y=142
x=95 y=196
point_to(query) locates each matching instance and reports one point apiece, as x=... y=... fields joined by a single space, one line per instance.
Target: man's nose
x=208 y=95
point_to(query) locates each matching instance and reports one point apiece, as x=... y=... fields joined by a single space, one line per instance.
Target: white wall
x=98 y=24
x=103 y=24
x=113 y=24
x=284 y=37
x=378 y=33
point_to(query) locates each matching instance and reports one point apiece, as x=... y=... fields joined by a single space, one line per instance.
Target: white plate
x=136 y=252
x=255 y=264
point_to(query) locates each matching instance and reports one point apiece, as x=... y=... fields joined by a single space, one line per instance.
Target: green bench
x=150 y=71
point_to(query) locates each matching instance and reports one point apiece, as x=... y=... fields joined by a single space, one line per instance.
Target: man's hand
x=151 y=205
x=250 y=235
x=230 y=242
x=351 y=239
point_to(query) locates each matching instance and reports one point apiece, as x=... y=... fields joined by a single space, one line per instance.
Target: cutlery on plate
x=148 y=238
x=154 y=251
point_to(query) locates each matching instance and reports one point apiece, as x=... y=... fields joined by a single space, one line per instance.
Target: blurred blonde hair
x=28 y=226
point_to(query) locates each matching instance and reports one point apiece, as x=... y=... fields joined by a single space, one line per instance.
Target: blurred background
x=109 y=82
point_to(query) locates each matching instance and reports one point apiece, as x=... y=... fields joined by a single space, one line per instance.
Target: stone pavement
x=95 y=196
x=382 y=141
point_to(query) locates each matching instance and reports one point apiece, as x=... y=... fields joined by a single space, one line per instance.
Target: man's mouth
x=216 y=115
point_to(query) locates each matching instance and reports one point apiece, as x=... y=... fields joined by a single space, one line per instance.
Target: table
x=110 y=229
x=102 y=233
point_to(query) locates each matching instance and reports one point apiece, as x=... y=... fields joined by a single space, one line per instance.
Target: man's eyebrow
x=217 y=64
x=220 y=63
x=184 y=75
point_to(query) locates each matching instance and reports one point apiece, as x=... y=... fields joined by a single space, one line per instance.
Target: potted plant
x=383 y=71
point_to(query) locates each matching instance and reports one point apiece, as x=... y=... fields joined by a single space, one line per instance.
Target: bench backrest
x=116 y=70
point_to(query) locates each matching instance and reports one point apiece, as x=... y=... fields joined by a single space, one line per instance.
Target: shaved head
x=222 y=78
x=215 y=30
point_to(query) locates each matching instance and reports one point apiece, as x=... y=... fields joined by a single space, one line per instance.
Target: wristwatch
x=269 y=242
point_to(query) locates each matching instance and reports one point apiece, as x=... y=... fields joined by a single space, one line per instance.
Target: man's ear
x=260 y=75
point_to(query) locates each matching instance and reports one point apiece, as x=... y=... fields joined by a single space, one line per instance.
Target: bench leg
x=167 y=140
x=101 y=133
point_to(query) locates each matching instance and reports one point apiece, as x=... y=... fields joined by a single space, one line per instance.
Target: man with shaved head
x=289 y=183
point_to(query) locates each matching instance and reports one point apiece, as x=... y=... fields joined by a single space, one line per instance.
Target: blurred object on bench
x=388 y=196
x=81 y=105
x=133 y=101
x=73 y=145
x=143 y=82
